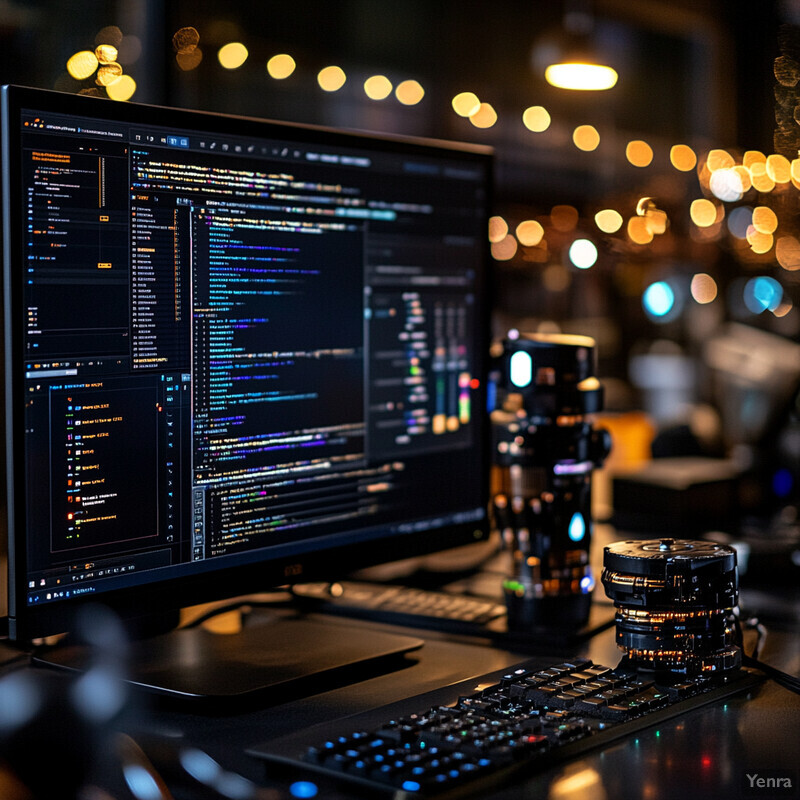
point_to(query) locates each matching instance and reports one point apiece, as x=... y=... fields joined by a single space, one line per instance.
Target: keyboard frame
x=285 y=755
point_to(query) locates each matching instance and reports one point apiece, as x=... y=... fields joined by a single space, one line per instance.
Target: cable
x=783 y=679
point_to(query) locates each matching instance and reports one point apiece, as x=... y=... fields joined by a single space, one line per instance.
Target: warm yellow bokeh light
x=744 y=177
x=759 y=242
x=719 y=159
x=530 y=232
x=639 y=153
x=232 y=55
x=484 y=117
x=779 y=168
x=331 y=79
x=753 y=157
x=703 y=213
x=108 y=73
x=703 y=288
x=122 y=89
x=581 y=77
x=505 y=249
x=608 y=220
x=106 y=53
x=586 y=138
x=377 y=87
x=765 y=220
x=795 y=172
x=787 y=252
x=281 y=66
x=564 y=218
x=409 y=93
x=762 y=182
x=82 y=65
x=536 y=119
x=465 y=104
x=498 y=229
x=682 y=157
x=657 y=221
x=638 y=231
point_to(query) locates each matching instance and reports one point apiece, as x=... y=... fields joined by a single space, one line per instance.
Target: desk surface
x=705 y=753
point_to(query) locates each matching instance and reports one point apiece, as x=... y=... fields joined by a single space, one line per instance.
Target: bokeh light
x=639 y=153
x=753 y=157
x=505 y=249
x=122 y=89
x=536 y=119
x=564 y=218
x=232 y=55
x=82 y=65
x=377 y=87
x=762 y=182
x=111 y=34
x=189 y=61
x=185 y=39
x=779 y=168
x=639 y=231
x=583 y=253
x=331 y=79
x=498 y=229
x=719 y=159
x=760 y=243
x=739 y=220
x=484 y=117
x=765 y=220
x=530 y=232
x=703 y=213
x=682 y=157
x=787 y=253
x=608 y=220
x=106 y=53
x=465 y=104
x=108 y=73
x=586 y=138
x=658 y=299
x=130 y=48
x=762 y=293
x=409 y=92
x=281 y=66
x=726 y=185
x=703 y=288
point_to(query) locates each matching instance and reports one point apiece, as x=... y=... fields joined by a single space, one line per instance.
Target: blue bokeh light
x=762 y=293
x=658 y=299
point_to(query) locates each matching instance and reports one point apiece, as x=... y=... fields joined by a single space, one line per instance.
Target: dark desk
x=706 y=753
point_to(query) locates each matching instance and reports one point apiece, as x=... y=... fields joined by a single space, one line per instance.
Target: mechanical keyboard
x=479 y=733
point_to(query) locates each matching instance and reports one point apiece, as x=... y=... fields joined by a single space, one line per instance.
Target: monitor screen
x=238 y=353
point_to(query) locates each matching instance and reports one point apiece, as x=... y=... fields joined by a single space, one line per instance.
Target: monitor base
x=272 y=657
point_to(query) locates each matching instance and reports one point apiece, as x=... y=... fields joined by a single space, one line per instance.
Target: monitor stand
x=273 y=656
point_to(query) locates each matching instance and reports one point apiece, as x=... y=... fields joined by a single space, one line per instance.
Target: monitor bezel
x=30 y=622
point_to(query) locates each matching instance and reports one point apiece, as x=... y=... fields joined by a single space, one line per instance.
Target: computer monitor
x=238 y=353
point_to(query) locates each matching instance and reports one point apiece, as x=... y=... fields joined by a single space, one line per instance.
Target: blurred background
x=659 y=216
